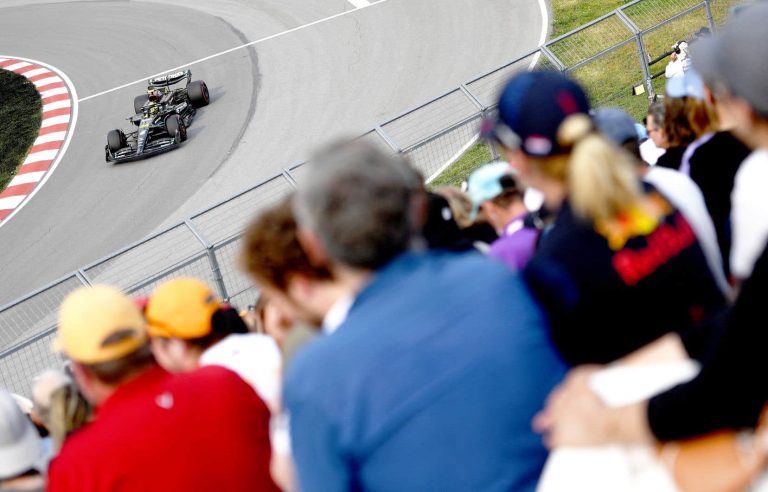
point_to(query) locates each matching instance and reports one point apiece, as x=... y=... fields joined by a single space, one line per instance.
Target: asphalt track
x=271 y=103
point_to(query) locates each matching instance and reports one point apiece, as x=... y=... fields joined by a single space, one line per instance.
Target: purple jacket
x=516 y=244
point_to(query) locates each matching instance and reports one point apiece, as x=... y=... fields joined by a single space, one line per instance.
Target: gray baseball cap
x=616 y=125
x=735 y=57
x=20 y=446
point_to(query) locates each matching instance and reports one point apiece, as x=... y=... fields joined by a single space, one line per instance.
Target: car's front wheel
x=176 y=128
x=115 y=140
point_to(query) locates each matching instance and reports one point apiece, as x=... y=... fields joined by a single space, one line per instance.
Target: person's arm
x=575 y=416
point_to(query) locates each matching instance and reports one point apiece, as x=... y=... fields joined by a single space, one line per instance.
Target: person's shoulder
x=81 y=446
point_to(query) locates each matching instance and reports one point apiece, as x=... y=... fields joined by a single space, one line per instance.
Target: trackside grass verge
x=20 y=113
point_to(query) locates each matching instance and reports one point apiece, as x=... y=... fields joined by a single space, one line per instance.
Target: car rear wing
x=170 y=79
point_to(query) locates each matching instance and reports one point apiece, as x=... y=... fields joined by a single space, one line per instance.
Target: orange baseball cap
x=99 y=324
x=181 y=308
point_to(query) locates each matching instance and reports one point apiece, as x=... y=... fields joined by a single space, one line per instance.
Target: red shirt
x=202 y=431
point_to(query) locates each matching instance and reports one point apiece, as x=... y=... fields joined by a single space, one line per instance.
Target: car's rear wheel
x=115 y=140
x=139 y=101
x=175 y=128
x=198 y=94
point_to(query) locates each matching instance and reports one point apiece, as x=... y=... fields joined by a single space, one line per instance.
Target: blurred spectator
x=679 y=61
x=617 y=253
x=718 y=398
x=441 y=231
x=687 y=117
x=22 y=459
x=253 y=315
x=200 y=431
x=495 y=191
x=428 y=381
x=190 y=328
x=299 y=288
x=302 y=301
x=59 y=405
x=475 y=228
x=656 y=145
x=460 y=203
x=712 y=162
x=618 y=126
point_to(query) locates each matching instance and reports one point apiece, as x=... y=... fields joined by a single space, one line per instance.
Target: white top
x=749 y=213
x=686 y=196
x=337 y=314
x=650 y=153
x=613 y=467
x=255 y=358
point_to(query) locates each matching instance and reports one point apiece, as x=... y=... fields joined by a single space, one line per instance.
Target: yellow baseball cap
x=99 y=324
x=181 y=308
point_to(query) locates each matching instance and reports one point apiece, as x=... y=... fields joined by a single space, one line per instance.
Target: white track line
x=230 y=50
x=358 y=4
x=544 y=32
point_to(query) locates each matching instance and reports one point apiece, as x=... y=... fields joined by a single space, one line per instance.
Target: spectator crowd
x=449 y=339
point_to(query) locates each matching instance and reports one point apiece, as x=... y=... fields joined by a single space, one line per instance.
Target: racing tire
x=198 y=95
x=174 y=126
x=115 y=140
x=138 y=102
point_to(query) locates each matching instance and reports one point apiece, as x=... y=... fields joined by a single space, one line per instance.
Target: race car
x=162 y=116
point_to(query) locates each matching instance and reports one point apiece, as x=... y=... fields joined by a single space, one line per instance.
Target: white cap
x=20 y=445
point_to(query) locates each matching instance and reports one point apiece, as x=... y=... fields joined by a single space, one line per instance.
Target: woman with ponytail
x=619 y=267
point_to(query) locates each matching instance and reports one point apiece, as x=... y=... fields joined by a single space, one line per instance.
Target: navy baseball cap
x=531 y=108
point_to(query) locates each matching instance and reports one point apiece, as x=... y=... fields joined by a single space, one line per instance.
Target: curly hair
x=272 y=252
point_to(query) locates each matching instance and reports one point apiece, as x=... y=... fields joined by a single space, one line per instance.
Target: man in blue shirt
x=432 y=378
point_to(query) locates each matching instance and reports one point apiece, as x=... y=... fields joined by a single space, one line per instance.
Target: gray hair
x=656 y=110
x=359 y=202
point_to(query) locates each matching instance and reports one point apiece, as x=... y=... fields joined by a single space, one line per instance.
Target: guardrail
x=434 y=135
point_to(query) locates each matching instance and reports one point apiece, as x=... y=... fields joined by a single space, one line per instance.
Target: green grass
x=20 y=114
x=473 y=158
x=609 y=78
x=569 y=14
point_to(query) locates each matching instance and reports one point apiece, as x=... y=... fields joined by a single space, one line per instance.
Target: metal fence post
x=710 y=18
x=640 y=51
x=289 y=177
x=392 y=144
x=83 y=277
x=215 y=269
x=553 y=58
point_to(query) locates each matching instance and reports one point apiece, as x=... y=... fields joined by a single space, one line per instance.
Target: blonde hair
x=69 y=411
x=600 y=177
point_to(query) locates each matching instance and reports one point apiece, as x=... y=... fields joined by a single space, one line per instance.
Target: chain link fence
x=609 y=56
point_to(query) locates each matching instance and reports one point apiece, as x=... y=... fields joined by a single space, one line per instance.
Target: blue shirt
x=430 y=383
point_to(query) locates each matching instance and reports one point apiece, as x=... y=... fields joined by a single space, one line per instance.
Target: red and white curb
x=58 y=124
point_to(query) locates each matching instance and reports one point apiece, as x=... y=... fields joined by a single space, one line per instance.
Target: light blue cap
x=485 y=183
x=689 y=84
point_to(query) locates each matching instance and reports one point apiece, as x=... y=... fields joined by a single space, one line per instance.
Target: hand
x=673 y=56
x=574 y=414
